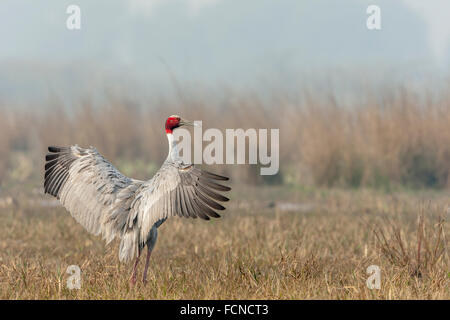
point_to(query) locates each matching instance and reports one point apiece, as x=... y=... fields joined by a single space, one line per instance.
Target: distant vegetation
x=395 y=140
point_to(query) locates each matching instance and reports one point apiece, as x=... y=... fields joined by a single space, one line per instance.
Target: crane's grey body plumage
x=107 y=203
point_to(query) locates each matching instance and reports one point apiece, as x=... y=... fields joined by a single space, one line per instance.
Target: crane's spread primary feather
x=106 y=202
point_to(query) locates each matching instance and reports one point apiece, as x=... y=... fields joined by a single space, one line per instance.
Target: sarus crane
x=107 y=203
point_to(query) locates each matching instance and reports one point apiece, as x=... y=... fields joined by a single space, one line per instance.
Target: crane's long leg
x=133 y=276
x=147 y=260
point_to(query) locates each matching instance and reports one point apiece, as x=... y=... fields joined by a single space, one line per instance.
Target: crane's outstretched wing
x=95 y=193
x=177 y=190
x=105 y=201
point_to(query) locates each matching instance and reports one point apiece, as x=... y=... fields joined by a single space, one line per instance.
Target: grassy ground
x=274 y=243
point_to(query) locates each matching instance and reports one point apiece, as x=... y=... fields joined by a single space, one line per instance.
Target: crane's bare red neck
x=172 y=123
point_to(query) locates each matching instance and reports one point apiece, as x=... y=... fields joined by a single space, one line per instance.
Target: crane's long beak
x=184 y=122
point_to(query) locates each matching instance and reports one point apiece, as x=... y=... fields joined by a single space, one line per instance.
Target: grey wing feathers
x=96 y=194
x=183 y=191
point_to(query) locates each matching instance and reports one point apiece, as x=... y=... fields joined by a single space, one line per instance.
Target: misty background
x=147 y=48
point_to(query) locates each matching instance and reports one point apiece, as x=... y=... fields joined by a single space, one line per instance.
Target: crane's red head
x=172 y=122
x=175 y=121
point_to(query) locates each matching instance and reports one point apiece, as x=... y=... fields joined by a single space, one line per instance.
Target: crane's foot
x=133 y=280
x=144 y=277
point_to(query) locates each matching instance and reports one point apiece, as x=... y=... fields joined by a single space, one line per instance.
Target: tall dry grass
x=396 y=139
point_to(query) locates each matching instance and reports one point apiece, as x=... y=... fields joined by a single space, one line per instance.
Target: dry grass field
x=272 y=243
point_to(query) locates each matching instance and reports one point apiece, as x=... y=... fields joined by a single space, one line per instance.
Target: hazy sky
x=238 y=43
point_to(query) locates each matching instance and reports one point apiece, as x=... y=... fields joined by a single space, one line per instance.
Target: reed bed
x=397 y=139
